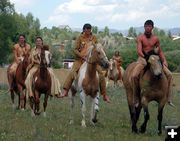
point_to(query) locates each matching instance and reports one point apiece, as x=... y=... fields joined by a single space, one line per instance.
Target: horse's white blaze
x=48 y=57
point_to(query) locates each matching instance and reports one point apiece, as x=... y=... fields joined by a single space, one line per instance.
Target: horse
x=153 y=86
x=113 y=73
x=16 y=82
x=87 y=82
x=41 y=84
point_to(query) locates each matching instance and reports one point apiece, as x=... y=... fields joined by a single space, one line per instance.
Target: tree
x=6 y=7
x=95 y=29
x=132 y=32
x=7 y=29
x=106 y=31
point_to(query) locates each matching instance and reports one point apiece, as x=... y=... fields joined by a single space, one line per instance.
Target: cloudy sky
x=116 y=14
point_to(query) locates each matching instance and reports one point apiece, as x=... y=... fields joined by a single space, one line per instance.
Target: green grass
x=113 y=125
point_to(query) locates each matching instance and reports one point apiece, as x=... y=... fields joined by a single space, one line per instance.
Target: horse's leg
x=10 y=81
x=160 y=117
x=24 y=91
x=146 y=115
x=12 y=98
x=138 y=111
x=32 y=105
x=45 y=103
x=21 y=95
x=37 y=102
x=95 y=108
x=83 y=107
x=132 y=111
x=71 y=96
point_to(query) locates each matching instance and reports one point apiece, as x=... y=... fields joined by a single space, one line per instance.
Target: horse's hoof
x=83 y=124
x=142 y=129
x=37 y=113
x=44 y=114
x=13 y=106
x=22 y=109
x=71 y=122
x=135 y=131
x=94 y=120
x=159 y=133
x=32 y=114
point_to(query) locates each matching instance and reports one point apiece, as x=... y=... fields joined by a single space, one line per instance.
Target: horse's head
x=155 y=65
x=45 y=58
x=26 y=60
x=112 y=64
x=96 y=55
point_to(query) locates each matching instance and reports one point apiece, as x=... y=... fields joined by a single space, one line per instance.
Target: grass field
x=113 y=125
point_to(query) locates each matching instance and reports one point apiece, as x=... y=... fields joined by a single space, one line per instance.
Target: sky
x=116 y=14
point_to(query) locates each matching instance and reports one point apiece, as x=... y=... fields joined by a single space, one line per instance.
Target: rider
x=118 y=59
x=19 y=50
x=147 y=42
x=35 y=57
x=32 y=68
x=80 y=51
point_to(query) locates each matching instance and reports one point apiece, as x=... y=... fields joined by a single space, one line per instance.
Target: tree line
x=12 y=24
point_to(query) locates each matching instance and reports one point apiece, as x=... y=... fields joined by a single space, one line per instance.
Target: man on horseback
x=19 y=50
x=80 y=52
x=148 y=42
x=118 y=59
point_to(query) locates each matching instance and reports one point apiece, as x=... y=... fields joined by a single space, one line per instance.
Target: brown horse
x=113 y=73
x=153 y=86
x=87 y=82
x=41 y=84
x=16 y=82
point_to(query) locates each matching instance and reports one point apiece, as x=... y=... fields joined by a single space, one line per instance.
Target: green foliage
x=57 y=58
x=132 y=32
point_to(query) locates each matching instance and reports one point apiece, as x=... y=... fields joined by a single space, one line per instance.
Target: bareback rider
x=148 y=42
x=80 y=51
x=19 y=50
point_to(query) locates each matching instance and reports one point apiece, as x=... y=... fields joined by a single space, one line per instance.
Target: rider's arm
x=161 y=54
x=15 y=54
x=139 y=47
x=77 y=48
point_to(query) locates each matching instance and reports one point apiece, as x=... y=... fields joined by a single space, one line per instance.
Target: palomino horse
x=113 y=73
x=41 y=84
x=88 y=82
x=153 y=86
x=17 y=82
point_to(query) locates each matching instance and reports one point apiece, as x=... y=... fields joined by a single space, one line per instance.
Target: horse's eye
x=99 y=53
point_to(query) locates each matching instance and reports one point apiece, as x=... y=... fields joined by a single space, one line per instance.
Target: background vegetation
x=12 y=24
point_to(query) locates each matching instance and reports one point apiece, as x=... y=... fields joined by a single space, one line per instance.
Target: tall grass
x=113 y=124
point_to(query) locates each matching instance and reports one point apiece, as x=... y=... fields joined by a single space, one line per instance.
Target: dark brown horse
x=153 y=86
x=41 y=84
x=16 y=82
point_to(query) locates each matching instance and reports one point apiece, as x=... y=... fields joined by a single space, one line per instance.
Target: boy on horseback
x=80 y=52
x=148 y=42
